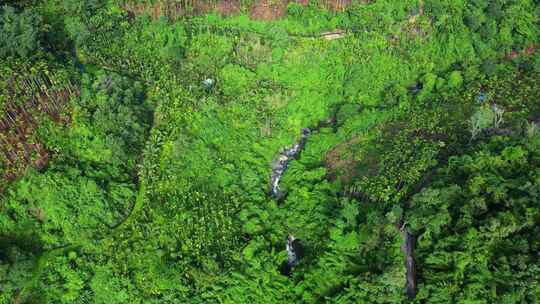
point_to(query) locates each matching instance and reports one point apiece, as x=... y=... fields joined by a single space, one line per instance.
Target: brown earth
x=340 y=162
x=228 y=7
x=258 y=10
x=337 y=5
x=531 y=49
x=19 y=144
x=202 y=7
x=268 y=9
x=174 y=10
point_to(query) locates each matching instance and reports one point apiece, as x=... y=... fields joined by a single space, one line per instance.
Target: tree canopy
x=140 y=142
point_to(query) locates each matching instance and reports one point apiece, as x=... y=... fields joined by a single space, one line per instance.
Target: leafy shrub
x=295 y=9
x=485 y=117
x=236 y=80
x=210 y=52
x=455 y=80
x=114 y=107
x=19 y=32
x=202 y=228
x=470 y=230
x=394 y=95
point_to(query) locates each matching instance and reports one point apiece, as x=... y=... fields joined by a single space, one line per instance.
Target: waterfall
x=280 y=165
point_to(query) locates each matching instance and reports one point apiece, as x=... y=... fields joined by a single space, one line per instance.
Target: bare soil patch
x=528 y=51
x=340 y=162
x=228 y=7
x=259 y=9
x=268 y=9
x=175 y=10
x=20 y=146
x=337 y=5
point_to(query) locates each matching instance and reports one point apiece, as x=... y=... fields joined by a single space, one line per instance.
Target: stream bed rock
x=279 y=166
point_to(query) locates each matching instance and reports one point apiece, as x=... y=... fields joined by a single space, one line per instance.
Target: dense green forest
x=162 y=151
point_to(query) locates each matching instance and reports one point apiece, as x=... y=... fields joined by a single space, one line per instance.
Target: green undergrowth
x=157 y=190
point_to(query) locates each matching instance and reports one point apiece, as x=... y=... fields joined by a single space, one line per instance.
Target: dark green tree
x=19 y=32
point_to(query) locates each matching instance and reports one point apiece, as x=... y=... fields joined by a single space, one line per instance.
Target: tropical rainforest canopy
x=162 y=151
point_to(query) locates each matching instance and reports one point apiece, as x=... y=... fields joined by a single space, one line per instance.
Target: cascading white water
x=280 y=165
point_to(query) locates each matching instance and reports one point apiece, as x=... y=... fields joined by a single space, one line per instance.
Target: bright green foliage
x=477 y=225
x=114 y=107
x=455 y=80
x=157 y=187
x=86 y=192
x=107 y=288
x=482 y=119
x=83 y=210
x=209 y=52
x=236 y=80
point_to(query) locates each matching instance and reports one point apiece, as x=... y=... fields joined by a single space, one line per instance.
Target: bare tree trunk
x=407 y=247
